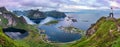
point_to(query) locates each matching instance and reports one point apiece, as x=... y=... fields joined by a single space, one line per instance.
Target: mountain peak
x=2 y=9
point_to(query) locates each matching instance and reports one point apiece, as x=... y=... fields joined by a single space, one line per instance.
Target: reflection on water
x=15 y=33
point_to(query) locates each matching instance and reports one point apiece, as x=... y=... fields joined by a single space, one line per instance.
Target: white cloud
x=70 y=8
x=114 y=4
x=61 y=5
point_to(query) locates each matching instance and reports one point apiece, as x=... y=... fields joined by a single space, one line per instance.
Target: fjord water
x=55 y=34
x=87 y=17
x=84 y=21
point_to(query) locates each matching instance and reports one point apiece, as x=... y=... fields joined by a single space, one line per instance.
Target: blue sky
x=60 y=5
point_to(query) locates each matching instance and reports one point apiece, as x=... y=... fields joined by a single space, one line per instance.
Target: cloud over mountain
x=61 y=5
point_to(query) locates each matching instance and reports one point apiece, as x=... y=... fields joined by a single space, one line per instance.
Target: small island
x=52 y=22
x=71 y=29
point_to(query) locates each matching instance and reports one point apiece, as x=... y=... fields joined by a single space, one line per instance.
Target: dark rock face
x=35 y=15
x=7 y=15
x=22 y=19
x=15 y=33
x=94 y=27
x=55 y=14
x=90 y=32
x=12 y=19
x=9 y=20
x=3 y=9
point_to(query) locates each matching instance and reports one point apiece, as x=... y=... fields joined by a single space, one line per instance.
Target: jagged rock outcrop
x=94 y=27
x=35 y=15
x=22 y=19
x=8 y=19
x=11 y=19
x=90 y=32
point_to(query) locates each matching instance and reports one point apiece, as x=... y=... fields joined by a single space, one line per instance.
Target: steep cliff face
x=35 y=15
x=9 y=18
x=104 y=33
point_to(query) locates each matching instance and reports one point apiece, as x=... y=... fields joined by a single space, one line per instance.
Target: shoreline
x=45 y=38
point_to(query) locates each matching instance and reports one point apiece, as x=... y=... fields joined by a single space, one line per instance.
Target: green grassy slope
x=32 y=40
x=103 y=37
x=3 y=21
x=5 y=41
